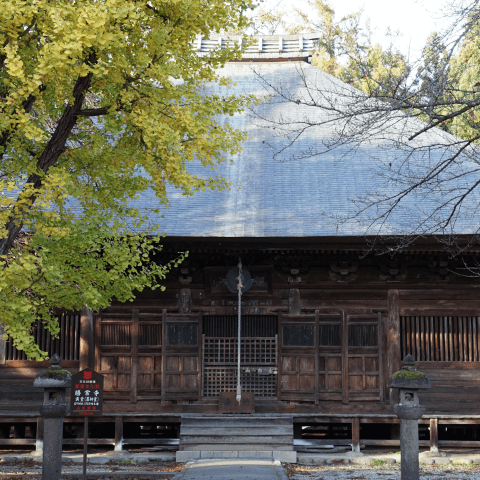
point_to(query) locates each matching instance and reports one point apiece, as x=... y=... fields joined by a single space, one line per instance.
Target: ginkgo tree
x=100 y=101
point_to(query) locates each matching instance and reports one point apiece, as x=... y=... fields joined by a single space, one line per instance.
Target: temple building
x=323 y=324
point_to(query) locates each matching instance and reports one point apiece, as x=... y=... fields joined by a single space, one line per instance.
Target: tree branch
x=55 y=147
x=92 y=112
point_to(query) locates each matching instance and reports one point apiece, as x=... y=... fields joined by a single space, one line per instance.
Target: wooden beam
x=392 y=334
x=459 y=443
x=86 y=339
x=434 y=435
x=17 y=441
x=393 y=443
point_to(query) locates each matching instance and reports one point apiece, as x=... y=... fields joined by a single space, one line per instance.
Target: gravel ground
x=30 y=467
x=391 y=472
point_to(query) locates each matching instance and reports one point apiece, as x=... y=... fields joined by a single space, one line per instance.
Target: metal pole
x=85 y=446
x=239 y=287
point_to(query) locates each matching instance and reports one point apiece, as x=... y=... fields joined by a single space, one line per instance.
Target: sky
x=414 y=19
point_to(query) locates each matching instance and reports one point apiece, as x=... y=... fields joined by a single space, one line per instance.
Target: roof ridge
x=264 y=46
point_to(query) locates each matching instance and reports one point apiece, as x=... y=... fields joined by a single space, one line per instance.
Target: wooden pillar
x=133 y=375
x=3 y=344
x=19 y=430
x=317 y=357
x=392 y=335
x=118 y=434
x=164 y=352
x=355 y=434
x=395 y=431
x=86 y=339
x=80 y=430
x=39 y=438
x=434 y=434
x=345 y=396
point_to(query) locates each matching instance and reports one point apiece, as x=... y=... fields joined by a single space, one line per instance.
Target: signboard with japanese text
x=228 y=403
x=86 y=399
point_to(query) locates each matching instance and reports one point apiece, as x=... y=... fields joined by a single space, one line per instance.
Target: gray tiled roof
x=281 y=196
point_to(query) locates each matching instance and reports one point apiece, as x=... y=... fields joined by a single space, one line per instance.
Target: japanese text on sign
x=87 y=393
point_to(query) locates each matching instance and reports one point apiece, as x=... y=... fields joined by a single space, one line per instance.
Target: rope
x=239 y=288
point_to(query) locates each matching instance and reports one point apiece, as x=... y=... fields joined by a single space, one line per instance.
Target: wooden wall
x=18 y=373
x=324 y=293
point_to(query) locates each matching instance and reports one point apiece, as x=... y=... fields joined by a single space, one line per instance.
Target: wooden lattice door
x=364 y=368
x=259 y=347
x=128 y=352
x=297 y=368
x=330 y=358
x=331 y=377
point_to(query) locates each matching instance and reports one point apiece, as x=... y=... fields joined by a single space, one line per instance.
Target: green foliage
x=100 y=102
x=57 y=373
x=408 y=374
x=464 y=80
x=345 y=50
x=378 y=462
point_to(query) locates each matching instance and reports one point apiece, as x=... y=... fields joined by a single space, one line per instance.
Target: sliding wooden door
x=182 y=357
x=330 y=358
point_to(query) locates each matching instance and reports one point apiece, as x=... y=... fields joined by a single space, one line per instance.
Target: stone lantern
x=409 y=381
x=54 y=381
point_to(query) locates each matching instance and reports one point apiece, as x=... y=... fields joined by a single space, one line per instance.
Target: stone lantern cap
x=54 y=376
x=411 y=384
x=409 y=377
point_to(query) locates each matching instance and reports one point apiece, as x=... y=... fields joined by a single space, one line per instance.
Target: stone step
x=238 y=446
x=236 y=433
x=282 y=455
x=229 y=421
x=267 y=439
x=252 y=430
